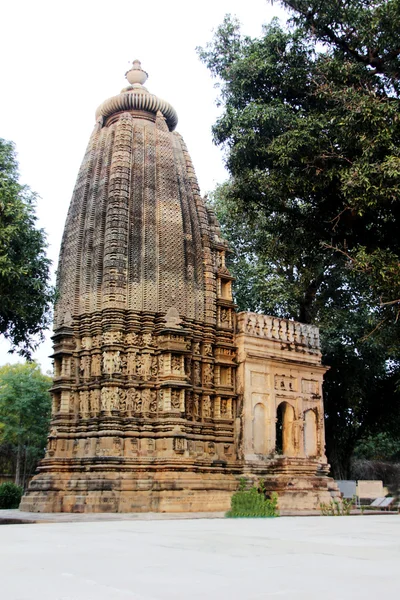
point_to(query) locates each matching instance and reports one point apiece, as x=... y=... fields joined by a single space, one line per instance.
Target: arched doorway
x=285 y=430
x=259 y=429
x=310 y=433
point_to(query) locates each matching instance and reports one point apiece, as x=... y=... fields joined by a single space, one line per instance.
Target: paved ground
x=324 y=558
x=19 y=516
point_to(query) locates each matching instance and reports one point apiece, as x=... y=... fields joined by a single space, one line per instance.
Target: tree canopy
x=25 y=294
x=311 y=133
x=25 y=410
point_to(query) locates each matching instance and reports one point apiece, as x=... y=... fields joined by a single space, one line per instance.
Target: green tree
x=312 y=143
x=314 y=139
x=25 y=409
x=25 y=294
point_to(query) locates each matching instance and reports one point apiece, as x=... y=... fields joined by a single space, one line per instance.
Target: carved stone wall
x=144 y=351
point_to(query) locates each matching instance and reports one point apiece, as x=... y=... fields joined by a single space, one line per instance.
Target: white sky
x=59 y=61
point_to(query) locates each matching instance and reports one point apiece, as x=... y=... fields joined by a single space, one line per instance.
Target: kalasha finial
x=136 y=75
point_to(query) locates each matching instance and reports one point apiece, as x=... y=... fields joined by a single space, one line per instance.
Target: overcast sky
x=59 y=61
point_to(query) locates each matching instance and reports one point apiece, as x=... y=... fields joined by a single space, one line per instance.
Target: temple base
x=301 y=484
x=125 y=493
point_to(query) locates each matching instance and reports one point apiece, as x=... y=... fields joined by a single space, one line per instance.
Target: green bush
x=253 y=502
x=10 y=495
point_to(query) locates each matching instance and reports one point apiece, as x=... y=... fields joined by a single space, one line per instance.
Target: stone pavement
x=330 y=558
x=18 y=516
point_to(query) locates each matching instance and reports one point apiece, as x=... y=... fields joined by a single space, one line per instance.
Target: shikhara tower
x=162 y=395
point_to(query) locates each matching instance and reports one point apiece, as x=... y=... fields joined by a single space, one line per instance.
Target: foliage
x=336 y=508
x=312 y=141
x=381 y=447
x=25 y=408
x=10 y=495
x=312 y=135
x=25 y=295
x=253 y=502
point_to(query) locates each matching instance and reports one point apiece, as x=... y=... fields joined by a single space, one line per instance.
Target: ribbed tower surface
x=143 y=396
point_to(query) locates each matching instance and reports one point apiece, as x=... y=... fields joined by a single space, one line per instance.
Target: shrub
x=253 y=502
x=337 y=508
x=10 y=495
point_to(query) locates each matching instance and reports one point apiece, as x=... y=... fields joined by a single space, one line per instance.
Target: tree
x=25 y=409
x=313 y=138
x=312 y=143
x=25 y=294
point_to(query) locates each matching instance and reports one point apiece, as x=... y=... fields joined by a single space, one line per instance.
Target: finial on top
x=136 y=75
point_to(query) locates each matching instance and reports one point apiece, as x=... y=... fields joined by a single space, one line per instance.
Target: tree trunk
x=18 y=466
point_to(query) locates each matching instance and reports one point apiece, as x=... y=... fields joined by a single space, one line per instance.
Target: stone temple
x=163 y=395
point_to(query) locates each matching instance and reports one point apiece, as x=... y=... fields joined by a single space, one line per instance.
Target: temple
x=164 y=396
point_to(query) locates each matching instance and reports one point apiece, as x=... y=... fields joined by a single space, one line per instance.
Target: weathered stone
x=149 y=413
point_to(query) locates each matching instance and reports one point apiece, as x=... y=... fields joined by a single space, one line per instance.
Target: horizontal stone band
x=138 y=101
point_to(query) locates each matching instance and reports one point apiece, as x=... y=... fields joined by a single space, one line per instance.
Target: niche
x=284 y=444
x=310 y=433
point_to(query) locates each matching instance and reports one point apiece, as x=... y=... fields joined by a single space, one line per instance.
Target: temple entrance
x=310 y=433
x=285 y=430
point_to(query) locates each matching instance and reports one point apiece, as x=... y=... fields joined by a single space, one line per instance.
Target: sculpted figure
x=130 y=399
x=225 y=316
x=83 y=402
x=224 y=407
x=176 y=364
x=131 y=363
x=208 y=374
x=196 y=405
x=86 y=343
x=208 y=350
x=206 y=407
x=140 y=365
x=122 y=401
x=196 y=373
x=116 y=362
x=96 y=341
x=137 y=406
x=147 y=361
x=112 y=337
x=153 y=401
x=175 y=400
x=96 y=365
x=114 y=399
x=154 y=366
x=147 y=339
x=145 y=400
x=107 y=362
x=84 y=367
x=123 y=364
x=94 y=401
x=179 y=444
x=131 y=339
x=106 y=399
x=189 y=404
